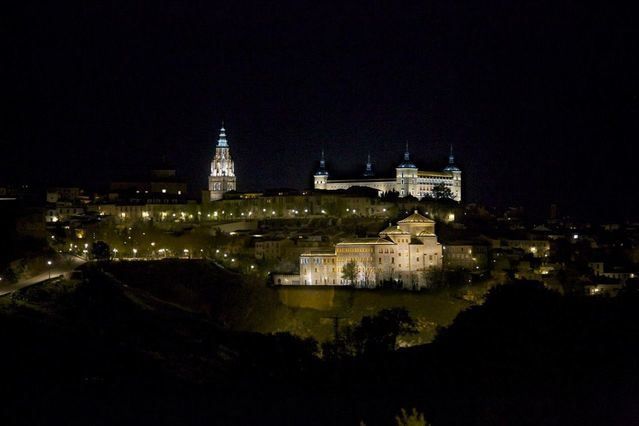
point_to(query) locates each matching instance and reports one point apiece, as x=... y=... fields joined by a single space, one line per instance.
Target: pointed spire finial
x=406 y=154
x=369 y=166
x=451 y=167
x=322 y=166
x=221 y=140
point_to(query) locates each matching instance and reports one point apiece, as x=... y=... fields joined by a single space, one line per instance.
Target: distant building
x=222 y=178
x=408 y=179
x=62 y=212
x=271 y=249
x=538 y=248
x=163 y=183
x=400 y=253
x=470 y=256
x=70 y=194
x=600 y=269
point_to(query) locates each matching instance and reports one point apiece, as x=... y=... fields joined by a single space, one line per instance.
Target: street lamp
x=49 y=263
x=135 y=251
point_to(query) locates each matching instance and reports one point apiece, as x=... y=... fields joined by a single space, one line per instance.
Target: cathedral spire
x=369 y=167
x=451 y=158
x=221 y=140
x=406 y=153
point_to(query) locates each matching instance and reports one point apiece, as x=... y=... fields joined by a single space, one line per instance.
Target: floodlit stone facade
x=222 y=178
x=401 y=253
x=408 y=179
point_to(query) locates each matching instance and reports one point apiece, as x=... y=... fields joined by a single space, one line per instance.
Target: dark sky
x=539 y=99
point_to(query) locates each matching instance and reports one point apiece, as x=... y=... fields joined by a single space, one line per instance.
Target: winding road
x=61 y=267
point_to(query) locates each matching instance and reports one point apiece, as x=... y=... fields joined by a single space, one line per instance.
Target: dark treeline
x=102 y=354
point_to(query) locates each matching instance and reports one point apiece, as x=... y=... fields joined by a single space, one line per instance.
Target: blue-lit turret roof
x=407 y=164
x=322 y=168
x=451 y=167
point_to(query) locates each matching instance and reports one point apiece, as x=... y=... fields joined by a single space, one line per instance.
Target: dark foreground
x=96 y=352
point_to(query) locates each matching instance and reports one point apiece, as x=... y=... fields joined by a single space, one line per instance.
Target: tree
x=390 y=196
x=433 y=277
x=349 y=271
x=10 y=275
x=101 y=251
x=442 y=192
x=371 y=273
x=378 y=334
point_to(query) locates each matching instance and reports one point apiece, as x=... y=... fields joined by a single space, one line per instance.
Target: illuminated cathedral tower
x=222 y=177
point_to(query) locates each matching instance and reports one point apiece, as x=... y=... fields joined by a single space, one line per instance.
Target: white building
x=401 y=253
x=408 y=179
x=222 y=178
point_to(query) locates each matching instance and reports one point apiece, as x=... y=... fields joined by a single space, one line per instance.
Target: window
x=380 y=260
x=392 y=260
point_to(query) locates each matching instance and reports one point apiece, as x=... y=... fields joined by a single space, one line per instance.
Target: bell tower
x=222 y=178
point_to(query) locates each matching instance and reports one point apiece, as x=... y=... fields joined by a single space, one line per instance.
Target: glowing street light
x=135 y=252
x=49 y=263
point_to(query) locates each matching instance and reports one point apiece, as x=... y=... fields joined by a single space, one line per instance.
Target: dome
x=394 y=230
x=416 y=218
x=407 y=164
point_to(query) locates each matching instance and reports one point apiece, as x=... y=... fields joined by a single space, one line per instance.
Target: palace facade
x=402 y=252
x=408 y=179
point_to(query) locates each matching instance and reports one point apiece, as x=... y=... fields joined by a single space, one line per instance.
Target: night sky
x=539 y=99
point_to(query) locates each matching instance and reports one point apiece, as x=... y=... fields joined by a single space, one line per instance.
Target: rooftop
x=416 y=218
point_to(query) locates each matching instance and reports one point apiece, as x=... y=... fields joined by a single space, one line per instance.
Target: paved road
x=60 y=268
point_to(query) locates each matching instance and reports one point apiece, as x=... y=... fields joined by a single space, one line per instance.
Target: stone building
x=401 y=253
x=466 y=255
x=408 y=180
x=222 y=178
